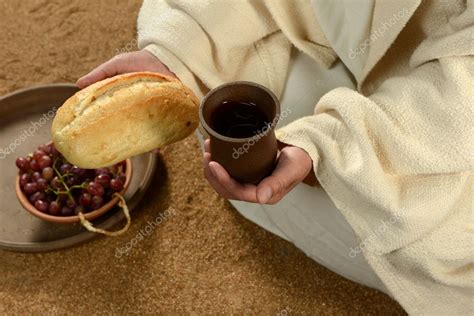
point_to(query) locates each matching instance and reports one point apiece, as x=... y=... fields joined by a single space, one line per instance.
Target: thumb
x=288 y=173
x=293 y=166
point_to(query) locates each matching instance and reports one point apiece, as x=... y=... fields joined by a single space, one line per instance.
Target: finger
x=277 y=197
x=238 y=191
x=92 y=77
x=117 y=65
x=210 y=176
x=207 y=146
x=106 y=70
x=285 y=177
x=212 y=179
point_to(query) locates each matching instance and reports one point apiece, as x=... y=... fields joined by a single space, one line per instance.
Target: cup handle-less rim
x=210 y=131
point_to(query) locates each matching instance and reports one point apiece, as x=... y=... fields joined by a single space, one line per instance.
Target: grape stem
x=78 y=186
x=61 y=179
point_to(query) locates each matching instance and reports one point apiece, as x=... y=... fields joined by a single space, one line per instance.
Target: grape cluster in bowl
x=55 y=187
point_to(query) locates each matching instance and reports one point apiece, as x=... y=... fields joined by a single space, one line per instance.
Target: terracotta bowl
x=75 y=218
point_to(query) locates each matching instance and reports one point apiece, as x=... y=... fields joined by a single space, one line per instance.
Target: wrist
x=161 y=66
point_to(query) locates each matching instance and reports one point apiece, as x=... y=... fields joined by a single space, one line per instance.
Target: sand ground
x=203 y=259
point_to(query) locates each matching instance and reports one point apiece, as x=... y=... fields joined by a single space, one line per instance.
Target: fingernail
x=265 y=195
x=213 y=171
x=80 y=83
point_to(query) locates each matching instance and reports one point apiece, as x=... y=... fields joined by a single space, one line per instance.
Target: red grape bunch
x=56 y=187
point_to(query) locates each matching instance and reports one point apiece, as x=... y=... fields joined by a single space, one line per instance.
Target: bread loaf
x=123 y=116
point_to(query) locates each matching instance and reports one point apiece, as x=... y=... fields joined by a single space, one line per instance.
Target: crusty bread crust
x=124 y=116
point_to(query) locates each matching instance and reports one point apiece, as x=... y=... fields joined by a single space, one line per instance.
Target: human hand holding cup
x=278 y=172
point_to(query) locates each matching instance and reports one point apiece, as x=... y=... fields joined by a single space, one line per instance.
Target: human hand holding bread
x=123 y=116
x=141 y=60
x=155 y=121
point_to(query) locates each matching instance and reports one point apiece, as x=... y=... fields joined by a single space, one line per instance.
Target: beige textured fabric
x=212 y=42
x=396 y=156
